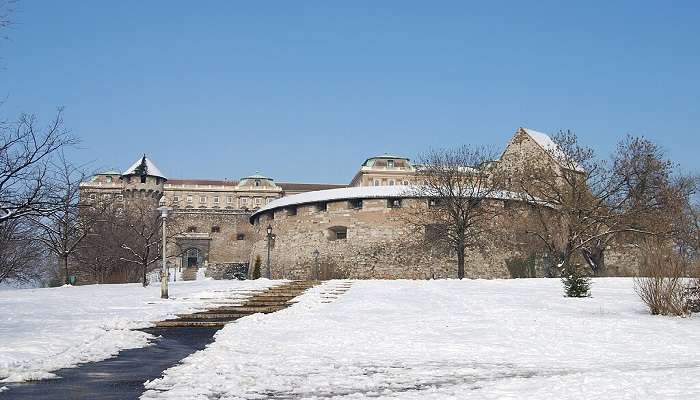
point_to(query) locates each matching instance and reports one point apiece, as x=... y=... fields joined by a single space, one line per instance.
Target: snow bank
x=43 y=330
x=483 y=339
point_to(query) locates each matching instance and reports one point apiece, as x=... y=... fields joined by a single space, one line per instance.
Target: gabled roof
x=551 y=147
x=144 y=166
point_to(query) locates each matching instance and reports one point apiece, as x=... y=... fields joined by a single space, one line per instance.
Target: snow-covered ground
x=42 y=330
x=481 y=339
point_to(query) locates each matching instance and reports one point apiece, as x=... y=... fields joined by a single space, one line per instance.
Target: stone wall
x=223 y=236
x=380 y=244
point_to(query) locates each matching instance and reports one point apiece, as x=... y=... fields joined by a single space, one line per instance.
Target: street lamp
x=164 y=270
x=269 y=240
x=316 y=269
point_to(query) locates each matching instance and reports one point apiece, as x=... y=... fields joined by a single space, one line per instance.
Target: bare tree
x=99 y=255
x=20 y=254
x=597 y=202
x=25 y=154
x=457 y=185
x=5 y=11
x=140 y=236
x=62 y=230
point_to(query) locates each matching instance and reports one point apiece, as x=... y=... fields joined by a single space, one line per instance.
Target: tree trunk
x=595 y=258
x=64 y=259
x=460 y=262
x=144 y=268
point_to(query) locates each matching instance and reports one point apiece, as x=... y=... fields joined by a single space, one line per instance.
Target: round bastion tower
x=143 y=181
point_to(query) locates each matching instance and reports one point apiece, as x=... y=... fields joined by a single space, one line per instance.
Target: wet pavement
x=120 y=377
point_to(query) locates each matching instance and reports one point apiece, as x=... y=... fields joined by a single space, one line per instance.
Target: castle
x=318 y=230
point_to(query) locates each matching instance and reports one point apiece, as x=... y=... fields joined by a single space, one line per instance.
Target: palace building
x=319 y=230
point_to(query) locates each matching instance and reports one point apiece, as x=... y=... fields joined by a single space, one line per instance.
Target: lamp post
x=268 y=273
x=316 y=269
x=164 y=270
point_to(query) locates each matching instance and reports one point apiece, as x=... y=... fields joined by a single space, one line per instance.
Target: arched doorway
x=192 y=257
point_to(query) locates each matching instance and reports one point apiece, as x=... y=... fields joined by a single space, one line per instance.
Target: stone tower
x=143 y=181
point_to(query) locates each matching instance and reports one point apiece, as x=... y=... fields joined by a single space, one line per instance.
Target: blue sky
x=305 y=91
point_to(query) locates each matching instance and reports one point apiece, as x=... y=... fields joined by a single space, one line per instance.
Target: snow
x=550 y=146
x=43 y=330
x=449 y=339
x=151 y=168
x=358 y=192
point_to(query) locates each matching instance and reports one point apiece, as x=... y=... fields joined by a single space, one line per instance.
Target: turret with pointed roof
x=143 y=180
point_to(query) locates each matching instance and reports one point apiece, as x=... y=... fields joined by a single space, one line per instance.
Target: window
x=143 y=178
x=321 y=207
x=215 y=229
x=258 y=200
x=356 y=204
x=257 y=182
x=243 y=201
x=240 y=236
x=189 y=198
x=109 y=179
x=93 y=196
x=216 y=199
x=120 y=197
x=405 y=182
x=176 y=199
x=202 y=199
x=394 y=203
x=338 y=233
x=434 y=202
x=391 y=182
x=390 y=163
x=269 y=200
x=191 y=229
x=229 y=200
x=292 y=211
x=376 y=182
x=106 y=196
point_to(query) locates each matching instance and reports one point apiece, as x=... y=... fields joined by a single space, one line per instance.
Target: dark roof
x=201 y=182
x=308 y=186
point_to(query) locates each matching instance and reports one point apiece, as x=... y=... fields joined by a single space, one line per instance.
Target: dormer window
x=143 y=178
x=257 y=182
x=390 y=163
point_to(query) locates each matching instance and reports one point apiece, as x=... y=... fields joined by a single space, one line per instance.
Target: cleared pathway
x=122 y=377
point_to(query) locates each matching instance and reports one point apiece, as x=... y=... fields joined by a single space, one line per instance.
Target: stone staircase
x=268 y=301
x=189 y=274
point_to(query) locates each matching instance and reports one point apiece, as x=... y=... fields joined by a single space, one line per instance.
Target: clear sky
x=306 y=90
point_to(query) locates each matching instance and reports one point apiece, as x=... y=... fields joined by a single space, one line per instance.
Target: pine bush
x=256 y=267
x=576 y=283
